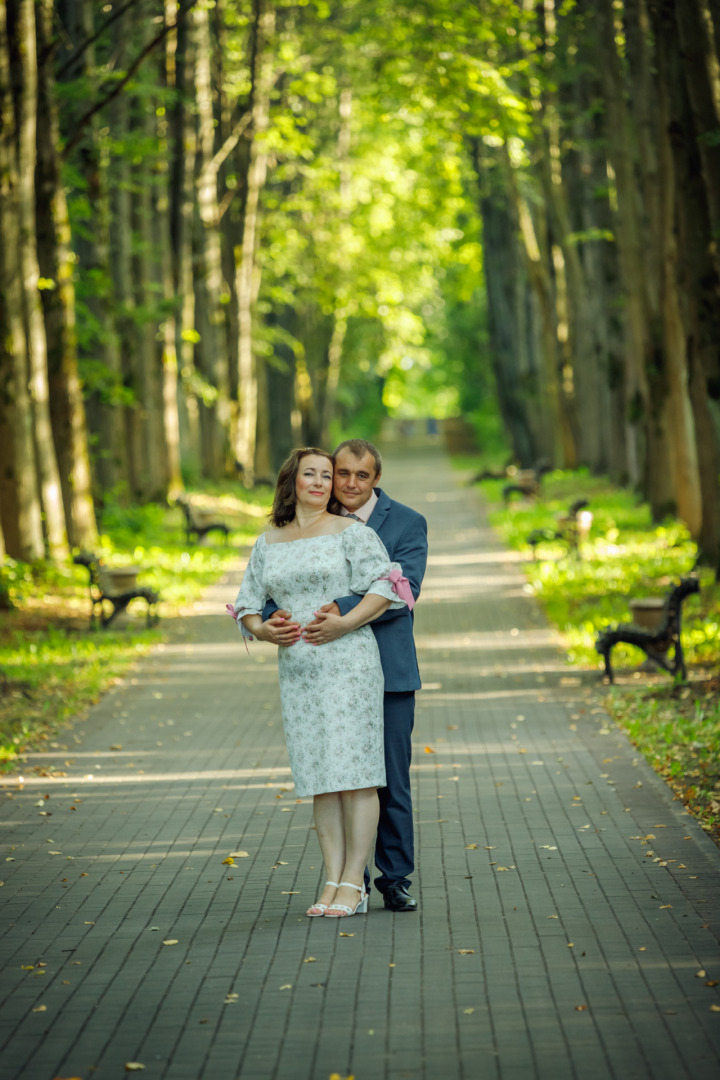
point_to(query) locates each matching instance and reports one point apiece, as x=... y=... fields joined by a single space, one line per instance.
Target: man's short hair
x=358 y=448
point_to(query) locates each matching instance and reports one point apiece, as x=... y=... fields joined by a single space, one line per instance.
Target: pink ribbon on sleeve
x=401 y=587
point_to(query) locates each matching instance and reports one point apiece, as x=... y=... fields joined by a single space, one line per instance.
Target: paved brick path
x=567 y=903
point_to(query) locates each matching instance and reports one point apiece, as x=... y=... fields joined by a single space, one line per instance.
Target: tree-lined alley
x=232 y=226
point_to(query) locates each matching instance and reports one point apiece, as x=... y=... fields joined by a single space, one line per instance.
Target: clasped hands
x=279 y=629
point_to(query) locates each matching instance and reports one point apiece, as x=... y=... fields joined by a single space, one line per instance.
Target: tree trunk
x=67 y=409
x=92 y=245
x=534 y=246
x=210 y=351
x=20 y=506
x=683 y=457
x=248 y=362
x=27 y=102
x=697 y=273
x=645 y=374
x=182 y=207
x=699 y=56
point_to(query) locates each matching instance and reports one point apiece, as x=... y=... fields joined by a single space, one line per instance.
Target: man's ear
x=376 y=481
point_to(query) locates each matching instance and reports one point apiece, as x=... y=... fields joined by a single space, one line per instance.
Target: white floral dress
x=331 y=695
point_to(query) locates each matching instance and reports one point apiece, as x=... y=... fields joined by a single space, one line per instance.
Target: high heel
x=342 y=911
x=316 y=910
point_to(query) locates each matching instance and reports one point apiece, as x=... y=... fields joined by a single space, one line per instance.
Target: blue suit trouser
x=395 y=845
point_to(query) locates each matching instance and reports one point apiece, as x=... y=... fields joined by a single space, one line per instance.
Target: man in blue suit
x=358 y=467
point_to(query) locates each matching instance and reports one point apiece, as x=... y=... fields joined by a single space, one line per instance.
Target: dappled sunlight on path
x=159 y=865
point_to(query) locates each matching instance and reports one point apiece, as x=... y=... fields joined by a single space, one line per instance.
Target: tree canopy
x=233 y=226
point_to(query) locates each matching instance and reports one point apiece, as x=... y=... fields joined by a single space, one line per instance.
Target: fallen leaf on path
x=580 y=1008
x=553 y=916
x=715 y=1008
x=499 y=868
x=243 y=855
x=287 y=986
x=40 y=1008
x=337 y=1076
x=548 y=847
x=290 y=892
x=490 y=847
x=711 y=982
x=700 y=974
x=310 y=960
x=664 y=906
x=231 y=999
x=471 y=847
x=171 y=941
x=229 y=861
x=642 y=948
x=466 y=952
x=429 y=750
x=116 y=746
x=134 y=1066
x=343 y=933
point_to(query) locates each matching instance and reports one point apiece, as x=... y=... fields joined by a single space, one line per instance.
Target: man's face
x=354 y=478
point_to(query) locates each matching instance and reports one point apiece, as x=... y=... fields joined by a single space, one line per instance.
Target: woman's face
x=313 y=484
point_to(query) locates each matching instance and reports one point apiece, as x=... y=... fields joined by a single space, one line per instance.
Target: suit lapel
x=377 y=518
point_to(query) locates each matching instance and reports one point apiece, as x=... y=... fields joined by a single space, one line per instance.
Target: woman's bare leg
x=328 y=815
x=360 y=811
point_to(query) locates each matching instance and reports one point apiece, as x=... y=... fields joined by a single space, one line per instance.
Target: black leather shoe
x=397 y=898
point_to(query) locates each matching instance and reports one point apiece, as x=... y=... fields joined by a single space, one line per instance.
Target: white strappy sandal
x=316 y=910
x=342 y=911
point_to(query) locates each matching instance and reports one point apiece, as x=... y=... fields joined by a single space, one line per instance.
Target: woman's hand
x=328 y=625
x=279 y=629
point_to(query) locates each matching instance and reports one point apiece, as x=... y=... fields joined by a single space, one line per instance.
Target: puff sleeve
x=252 y=596
x=370 y=565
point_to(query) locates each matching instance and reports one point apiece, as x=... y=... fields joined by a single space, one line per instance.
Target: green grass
x=52 y=666
x=627 y=555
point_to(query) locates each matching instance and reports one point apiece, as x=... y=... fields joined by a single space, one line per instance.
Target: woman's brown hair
x=283 y=507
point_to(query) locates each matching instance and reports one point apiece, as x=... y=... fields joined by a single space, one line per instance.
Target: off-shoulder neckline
x=305 y=539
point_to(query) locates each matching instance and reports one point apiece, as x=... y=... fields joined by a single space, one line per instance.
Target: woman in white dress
x=332 y=693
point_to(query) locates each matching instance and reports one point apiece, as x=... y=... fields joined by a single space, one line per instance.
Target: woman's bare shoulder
x=340 y=523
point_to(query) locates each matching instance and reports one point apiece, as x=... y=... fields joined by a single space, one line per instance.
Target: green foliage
x=678 y=731
x=54 y=665
x=626 y=556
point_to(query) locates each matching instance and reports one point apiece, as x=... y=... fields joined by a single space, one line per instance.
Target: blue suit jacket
x=404 y=533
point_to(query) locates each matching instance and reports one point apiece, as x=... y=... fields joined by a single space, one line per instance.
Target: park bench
x=199 y=522
x=573 y=528
x=654 y=641
x=526 y=482
x=116 y=586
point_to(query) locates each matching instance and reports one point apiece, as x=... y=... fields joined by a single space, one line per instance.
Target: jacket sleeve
x=411 y=552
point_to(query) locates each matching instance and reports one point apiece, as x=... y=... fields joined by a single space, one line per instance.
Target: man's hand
x=326 y=626
x=279 y=629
